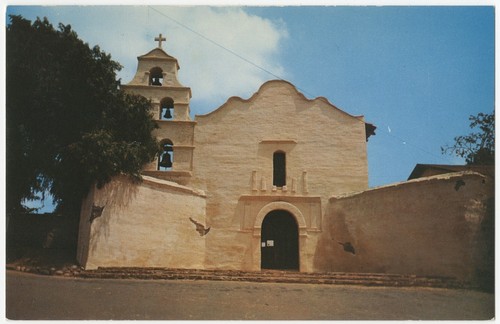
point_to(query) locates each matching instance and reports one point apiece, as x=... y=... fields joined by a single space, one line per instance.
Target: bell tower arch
x=156 y=79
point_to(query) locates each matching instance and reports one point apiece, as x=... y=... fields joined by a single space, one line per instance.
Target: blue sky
x=417 y=73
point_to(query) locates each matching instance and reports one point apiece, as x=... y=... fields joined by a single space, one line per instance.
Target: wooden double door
x=279 y=241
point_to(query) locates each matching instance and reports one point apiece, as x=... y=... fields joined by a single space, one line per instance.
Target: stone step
x=340 y=278
x=262 y=274
x=265 y=273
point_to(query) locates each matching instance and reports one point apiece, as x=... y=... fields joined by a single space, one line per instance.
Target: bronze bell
x=156 y=82
x=165 y=161
x=167 y=114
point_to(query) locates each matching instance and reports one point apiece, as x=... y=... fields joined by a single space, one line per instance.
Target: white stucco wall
x=143 y=225
x=234 y=148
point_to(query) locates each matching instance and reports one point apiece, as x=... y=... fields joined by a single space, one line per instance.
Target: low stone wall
x=142 y=224
x=435 y=226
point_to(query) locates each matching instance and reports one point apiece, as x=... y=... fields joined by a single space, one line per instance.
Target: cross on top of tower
x=159 y=39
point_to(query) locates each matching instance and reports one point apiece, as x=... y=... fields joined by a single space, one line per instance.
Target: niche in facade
x=156 y=76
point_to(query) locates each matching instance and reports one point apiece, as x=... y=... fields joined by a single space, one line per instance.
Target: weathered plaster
x=424 y=226
x=222 y=176
x=144 y=224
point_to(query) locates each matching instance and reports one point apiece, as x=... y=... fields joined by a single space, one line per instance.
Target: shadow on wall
x=485 y=274
x=111 y=199
x=427 y=227
x=336 y=246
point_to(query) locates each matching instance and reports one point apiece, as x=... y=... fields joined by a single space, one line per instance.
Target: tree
x=477 y=147
x=69 y=126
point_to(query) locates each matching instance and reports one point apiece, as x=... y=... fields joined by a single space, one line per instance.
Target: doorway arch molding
x=280 y=205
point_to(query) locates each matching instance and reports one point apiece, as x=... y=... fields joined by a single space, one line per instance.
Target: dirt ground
x=36 y=297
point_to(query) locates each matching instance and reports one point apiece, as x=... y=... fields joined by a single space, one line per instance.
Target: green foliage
x=477 y=147
x=68 y=123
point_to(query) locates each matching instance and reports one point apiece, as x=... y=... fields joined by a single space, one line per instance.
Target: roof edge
x=320 y=98
x=159 y=183
x=444 y=176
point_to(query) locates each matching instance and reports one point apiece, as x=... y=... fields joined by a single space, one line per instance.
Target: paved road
x=44 y=297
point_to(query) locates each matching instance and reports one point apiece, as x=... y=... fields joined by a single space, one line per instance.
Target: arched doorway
x=279 y=241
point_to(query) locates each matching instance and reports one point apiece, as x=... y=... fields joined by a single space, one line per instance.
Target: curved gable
x=268 y=89
x=262 y=91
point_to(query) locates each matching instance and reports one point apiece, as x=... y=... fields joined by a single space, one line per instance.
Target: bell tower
x=156 y=78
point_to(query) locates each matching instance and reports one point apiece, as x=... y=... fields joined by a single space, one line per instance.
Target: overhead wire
x=215 y=43
x=225 y=48
x=404 y=142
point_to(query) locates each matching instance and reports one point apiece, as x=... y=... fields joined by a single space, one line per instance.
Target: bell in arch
x=165 y=161
x=156 y=82
x=167 y=114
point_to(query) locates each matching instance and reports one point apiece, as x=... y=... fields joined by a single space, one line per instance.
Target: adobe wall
x=233 y=156
x=441 y=225
x=142 y=224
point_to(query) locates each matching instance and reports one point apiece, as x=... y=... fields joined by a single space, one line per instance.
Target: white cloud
x=213 y=73
x=212 y=70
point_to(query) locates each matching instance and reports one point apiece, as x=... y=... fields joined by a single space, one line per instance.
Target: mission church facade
x=276 y=181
